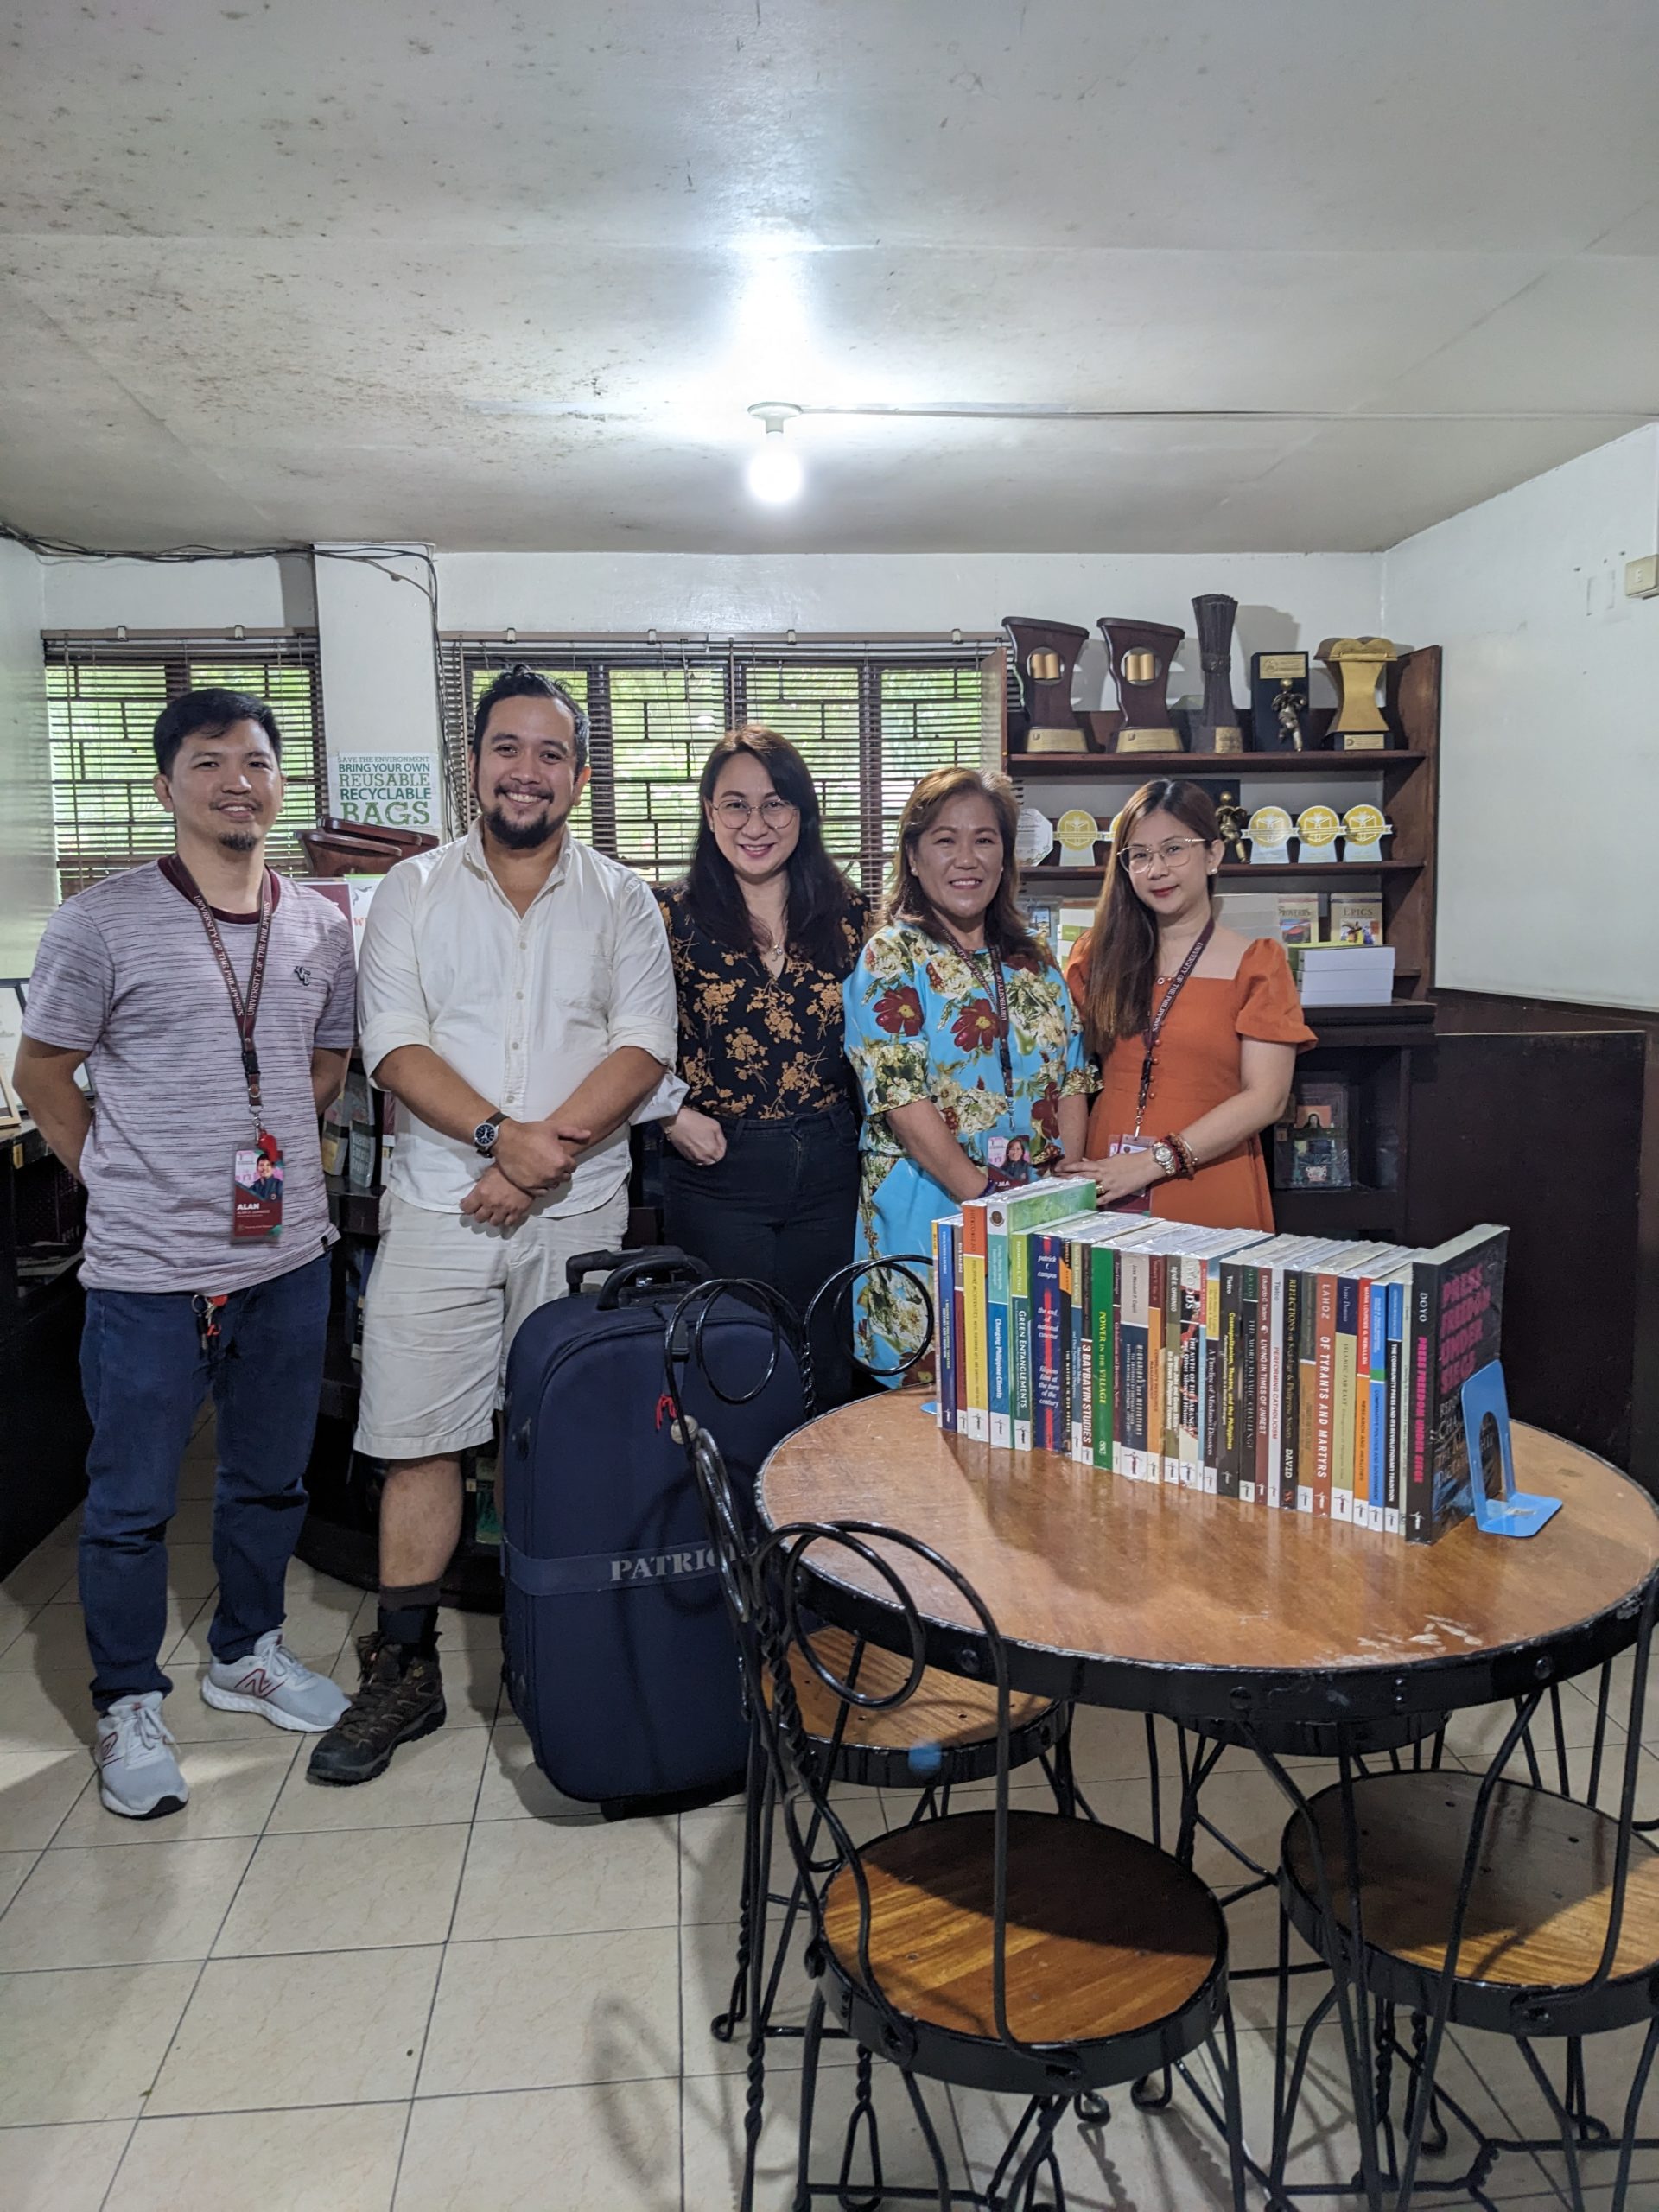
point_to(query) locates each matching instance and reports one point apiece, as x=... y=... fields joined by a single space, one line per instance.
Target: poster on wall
x=352 y=894
x=393 y=790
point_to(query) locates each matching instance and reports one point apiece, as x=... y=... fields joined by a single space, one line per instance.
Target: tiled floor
x=449 y=1989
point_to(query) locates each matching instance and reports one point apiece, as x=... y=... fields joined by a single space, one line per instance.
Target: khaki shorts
x=445 y=1298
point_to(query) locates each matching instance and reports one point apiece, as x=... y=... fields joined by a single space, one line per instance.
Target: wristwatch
x=488 y=1130
x=1169 y=1161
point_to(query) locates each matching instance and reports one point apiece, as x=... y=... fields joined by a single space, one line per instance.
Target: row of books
x=1299 y=1374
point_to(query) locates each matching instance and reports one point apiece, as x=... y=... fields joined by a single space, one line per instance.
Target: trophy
x=1317 y=828
x=1218 y=728
x=1364 y=828
x=1270 y=832
x=1138 y=656
x=1045 y=654
x=1355 y=665
x=1033 y=837
x=1279 y=703
x=1233 y=824
x=1079 y=833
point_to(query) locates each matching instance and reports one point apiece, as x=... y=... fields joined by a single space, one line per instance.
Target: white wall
x=28 y=881
x=262 y=594
x=1549 y=774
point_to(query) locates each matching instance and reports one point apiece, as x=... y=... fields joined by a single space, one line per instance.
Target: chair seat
x=943 y=1709
x=1538 y=1910
x=1107 y=1935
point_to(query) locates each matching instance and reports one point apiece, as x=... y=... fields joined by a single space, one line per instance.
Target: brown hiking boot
x=400 y=1699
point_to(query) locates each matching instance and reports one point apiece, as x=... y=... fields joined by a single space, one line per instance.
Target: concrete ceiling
x=261 y=261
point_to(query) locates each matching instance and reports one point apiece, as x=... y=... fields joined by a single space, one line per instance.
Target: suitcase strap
x=600 y=1570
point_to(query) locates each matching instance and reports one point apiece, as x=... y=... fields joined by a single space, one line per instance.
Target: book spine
x=1394 y=1372
x=1170 y=1355
x=1020 y=1323
x=1376 y=1424
x=1276 y=1385
x=943 y=1239
x=1251 y=1488
x=1080 y=1354
x=975 y=1403
x=1423 y=1317
x=959 y=1318
x=1135 y=1349
x=1307 y=1401
x=1213 y=1431
x=1227 y=1315
x=1344 y=1391
x=1153 y=1448
x=1048 y=1331
x=1325 y=1371
x=1103 y=1301
x=998 y=1347
x=1188 y=1426
x=1361 y=1421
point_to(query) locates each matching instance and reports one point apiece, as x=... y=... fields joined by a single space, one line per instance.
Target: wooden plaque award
x=1218 y=729
x=1044 y=655
x=1279 y=703
x=1139 y=655
x=1355 y=665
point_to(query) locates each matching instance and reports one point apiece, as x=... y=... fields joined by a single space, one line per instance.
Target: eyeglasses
x=1138 y=858
x=775 y=812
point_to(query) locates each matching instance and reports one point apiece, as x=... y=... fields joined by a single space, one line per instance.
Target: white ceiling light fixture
x=774 y=474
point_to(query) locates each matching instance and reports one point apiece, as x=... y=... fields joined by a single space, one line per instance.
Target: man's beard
x=523 y=836
x=239 y=840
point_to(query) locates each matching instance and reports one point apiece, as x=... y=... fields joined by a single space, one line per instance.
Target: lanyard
x=1154 y=1029
x=1000 y=1000
x=246 y=1010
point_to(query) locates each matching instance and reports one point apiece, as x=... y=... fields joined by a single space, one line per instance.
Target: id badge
x=1011 y=1158
x=1136 y=1201
x=257 y=1190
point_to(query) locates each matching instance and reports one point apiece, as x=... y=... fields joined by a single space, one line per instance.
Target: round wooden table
x=1128 y=1594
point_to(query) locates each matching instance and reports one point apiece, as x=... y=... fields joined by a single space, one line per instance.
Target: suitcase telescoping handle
x=633 y=1275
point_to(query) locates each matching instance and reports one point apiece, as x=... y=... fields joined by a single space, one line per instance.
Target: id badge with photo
x=257 y=1191
x=1135 y=1201
x=1011 y=1158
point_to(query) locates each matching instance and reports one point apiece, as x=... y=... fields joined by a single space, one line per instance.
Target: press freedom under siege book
x=1456 y=1321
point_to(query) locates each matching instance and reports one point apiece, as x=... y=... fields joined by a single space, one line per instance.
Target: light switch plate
x=1642 y=577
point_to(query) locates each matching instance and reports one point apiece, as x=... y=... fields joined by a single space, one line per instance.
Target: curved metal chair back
x=837 y=1290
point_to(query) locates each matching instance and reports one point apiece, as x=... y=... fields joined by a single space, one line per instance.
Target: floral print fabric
x=922 y=1023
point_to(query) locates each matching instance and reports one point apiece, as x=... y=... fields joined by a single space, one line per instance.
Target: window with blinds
x=867 y=723
x=103 y=693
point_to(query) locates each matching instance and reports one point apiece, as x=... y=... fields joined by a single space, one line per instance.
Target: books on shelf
x=1355 y=918
x=1342 y=975
x=1298 y=917
x=1294 y=1374
x=1310 y=1146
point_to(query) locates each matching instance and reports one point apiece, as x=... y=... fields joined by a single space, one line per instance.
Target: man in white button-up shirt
x=517 y=998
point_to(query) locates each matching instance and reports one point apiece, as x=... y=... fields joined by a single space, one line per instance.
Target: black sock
x=410 y=1617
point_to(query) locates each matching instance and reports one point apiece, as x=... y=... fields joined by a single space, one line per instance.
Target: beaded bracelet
x=1183 y=1152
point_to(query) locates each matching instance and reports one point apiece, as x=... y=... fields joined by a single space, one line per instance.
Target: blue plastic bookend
x=1518 y=1512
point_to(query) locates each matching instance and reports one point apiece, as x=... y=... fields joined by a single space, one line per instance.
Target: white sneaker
x=138 y=1774
x=270 y=1681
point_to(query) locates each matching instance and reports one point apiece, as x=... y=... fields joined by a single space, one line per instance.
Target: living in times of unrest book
x=1457 y=1320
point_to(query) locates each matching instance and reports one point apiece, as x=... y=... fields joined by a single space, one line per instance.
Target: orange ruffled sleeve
x=1268 y=1008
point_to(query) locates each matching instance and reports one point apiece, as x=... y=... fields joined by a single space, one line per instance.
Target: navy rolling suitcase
x=621 y=1662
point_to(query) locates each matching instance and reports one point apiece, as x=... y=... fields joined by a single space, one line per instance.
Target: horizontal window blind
x=869 y=719
x=103 y=693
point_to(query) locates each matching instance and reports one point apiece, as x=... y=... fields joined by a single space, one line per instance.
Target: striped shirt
x=125 y=974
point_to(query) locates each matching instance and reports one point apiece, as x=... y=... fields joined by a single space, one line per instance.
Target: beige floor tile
x=313 y=1630
x=49 y=1712
x=711 y=1851
x=37 y=1789
x=541 y=2012
x=471 y=1683
x=532 y=1878
x=1112 y=1746
x=233 y=1788
x=56 y=1639
x=343 y=2159
x=15 y=1616
x=13 y=1866
x=346 y=1890
x=707 y=1960
x=343 y=2027
x=1610 y=2063
x=97 y=1908
x=62 y=2168
x=85 y=2045
x=191 y=1576
x=37 y=1580
x=614 y=2148
x=713 y=2107
x=432 y=1781
x=193 y=1521
x=1476 y=1734
x=515 y=1788
x=193 y=1721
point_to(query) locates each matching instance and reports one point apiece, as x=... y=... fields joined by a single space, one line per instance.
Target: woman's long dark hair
x=1123 y=936
x=1006 y=929
x=820 y=897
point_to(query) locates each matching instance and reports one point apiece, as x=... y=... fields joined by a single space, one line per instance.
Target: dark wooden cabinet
x=45 y=1432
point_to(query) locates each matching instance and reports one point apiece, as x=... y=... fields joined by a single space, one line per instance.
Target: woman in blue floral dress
x=963 y=1037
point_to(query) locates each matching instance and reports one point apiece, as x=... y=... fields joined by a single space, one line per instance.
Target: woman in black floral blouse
x=760 y=1173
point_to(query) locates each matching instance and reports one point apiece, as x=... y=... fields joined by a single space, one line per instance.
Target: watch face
x=484 y=1136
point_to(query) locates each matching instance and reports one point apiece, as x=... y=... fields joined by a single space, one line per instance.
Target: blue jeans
x=144 y=1375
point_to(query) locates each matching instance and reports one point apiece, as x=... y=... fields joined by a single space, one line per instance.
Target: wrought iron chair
x=1018 y=1953
x=1521 y=1906
x=942 y=1738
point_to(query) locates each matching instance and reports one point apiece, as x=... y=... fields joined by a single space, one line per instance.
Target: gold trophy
x=1317 y=831
x=1356 y=665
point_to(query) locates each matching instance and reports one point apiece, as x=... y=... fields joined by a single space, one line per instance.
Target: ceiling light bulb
x=774 y=474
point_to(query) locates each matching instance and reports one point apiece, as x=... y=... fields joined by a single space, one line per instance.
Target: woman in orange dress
x=1189 y=1104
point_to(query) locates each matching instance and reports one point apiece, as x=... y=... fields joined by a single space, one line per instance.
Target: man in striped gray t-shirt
x=213 y=1003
